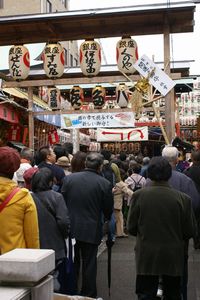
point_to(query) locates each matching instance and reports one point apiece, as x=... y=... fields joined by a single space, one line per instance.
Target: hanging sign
x=90 y=58
x=126 y=54
x=94 y=120
x=159 y=79
x=19 y=62
x=122 y=134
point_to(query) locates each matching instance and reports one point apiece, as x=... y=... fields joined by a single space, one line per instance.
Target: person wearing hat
x=64 y=163
x=22 y=229
x=26 y=156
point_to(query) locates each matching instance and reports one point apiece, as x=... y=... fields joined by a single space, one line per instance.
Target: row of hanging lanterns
x=99 y=96
x=90 y=58
x=76 y=97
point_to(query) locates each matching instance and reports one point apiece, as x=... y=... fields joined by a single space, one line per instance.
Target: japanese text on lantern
x=90 y=56
x=15 y=56
x=53 y=98
x=126 y=61
x=51 y=54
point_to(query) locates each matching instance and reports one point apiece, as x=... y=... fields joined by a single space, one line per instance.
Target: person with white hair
x=182 y=183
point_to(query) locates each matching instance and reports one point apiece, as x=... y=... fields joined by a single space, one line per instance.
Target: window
x=71 y=60
x=48 y=6
x=1 y=3
x=76 y=62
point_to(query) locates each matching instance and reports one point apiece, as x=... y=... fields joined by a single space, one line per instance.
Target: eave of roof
x=97 y=23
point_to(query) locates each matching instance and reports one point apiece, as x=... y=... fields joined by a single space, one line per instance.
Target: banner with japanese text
x=122 y=134
x=159 y=79
x=96 y=120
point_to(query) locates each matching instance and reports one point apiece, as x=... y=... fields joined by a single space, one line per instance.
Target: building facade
x=22 y=7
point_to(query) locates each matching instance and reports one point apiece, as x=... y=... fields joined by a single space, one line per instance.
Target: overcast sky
x=184 y=46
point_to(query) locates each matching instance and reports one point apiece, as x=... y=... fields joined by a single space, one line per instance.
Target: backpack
x=137 y=184
x=107 y=172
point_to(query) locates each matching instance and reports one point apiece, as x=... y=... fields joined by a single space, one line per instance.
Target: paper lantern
x=19 y=62
x=54 y=60
x=98 y=96
x=90 y=58
x=126 y=54
x=76 y=97
x=122 y=95
x=54 y=98
x=43 y=93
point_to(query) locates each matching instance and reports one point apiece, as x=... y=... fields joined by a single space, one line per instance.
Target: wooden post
x=169 y=98
x=30 y=118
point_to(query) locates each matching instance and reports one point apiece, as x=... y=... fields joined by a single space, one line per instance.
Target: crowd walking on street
x=72 y=203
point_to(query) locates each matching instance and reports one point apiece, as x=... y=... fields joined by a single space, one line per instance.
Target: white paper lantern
x=122 y=95
x=54 y=98
x=54 y=60
x=19 y=62
x=90 y=58
x=126 y=54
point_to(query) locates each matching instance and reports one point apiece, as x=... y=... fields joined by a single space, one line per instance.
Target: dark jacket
x=57 y=171
x=184 y=184
x=53 y=221
x=88 y=195
x=161 y=218
x=194 y=173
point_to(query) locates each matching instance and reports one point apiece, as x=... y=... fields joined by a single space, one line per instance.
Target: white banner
x=95 y=120
x=159 y=79
x=122 y=134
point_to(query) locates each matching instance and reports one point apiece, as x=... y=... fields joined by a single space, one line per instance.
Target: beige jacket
x=121 y=189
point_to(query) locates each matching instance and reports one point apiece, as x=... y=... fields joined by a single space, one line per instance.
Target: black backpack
x=137 y=184
x=108 y=173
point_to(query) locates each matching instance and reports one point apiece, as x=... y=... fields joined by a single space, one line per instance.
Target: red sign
x=8 y=114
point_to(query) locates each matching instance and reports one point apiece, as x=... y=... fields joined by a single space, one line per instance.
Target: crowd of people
x=53 y=196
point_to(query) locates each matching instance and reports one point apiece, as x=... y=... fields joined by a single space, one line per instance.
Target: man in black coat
x=88 y=196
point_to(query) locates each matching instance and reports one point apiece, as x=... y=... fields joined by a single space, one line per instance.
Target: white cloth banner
x=159 y=79
x=122 y=134
x=95 y=120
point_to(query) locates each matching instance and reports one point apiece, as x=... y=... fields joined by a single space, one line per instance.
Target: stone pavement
x=123 y=271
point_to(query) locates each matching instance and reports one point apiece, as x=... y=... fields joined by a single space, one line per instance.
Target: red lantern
x=127 y=55
x=90 y=58
x=19 y=62
x=98 y=96
x=14 y=133
x=53 y=137
x=43 y=93
x=76 y=97
x=54 y=98
x=54 y=60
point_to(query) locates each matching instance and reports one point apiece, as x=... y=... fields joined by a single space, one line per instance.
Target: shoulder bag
x=9 y=197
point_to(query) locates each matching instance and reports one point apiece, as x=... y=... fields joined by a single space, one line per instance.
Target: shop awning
x=23 y=95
